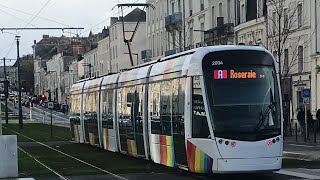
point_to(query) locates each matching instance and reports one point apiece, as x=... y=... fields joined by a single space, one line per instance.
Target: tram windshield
x=243 y=97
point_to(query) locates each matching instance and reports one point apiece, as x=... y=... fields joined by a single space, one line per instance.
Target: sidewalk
x=302 y=150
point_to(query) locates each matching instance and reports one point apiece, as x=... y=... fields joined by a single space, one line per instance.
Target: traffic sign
x=50 y=105
x=306 y=100
x=306 y=93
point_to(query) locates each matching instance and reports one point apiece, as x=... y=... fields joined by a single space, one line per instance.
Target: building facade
x=119 y=57
x=91 y=63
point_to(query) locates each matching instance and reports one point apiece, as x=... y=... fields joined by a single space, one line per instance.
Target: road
x=187 y=176
x=42 y=115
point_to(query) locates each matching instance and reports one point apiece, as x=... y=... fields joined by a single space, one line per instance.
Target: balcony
x=170 y=52
x=219 y=35
x=173 y=22
x=146 y=54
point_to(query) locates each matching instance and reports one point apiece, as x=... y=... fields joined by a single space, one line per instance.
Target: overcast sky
x=85 y=14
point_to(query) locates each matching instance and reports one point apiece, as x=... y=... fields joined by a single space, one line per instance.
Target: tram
x=208 y=110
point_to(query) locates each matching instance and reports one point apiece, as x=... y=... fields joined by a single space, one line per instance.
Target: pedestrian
x=301 y=119
x=318 y=118
x=309 y=121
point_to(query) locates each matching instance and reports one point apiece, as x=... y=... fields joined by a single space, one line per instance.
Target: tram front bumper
x=248 y=165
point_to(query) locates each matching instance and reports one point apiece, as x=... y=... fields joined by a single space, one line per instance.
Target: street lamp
x=136 y=54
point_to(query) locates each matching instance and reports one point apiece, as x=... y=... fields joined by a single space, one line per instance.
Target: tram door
x=130 y=120
x=178 y=100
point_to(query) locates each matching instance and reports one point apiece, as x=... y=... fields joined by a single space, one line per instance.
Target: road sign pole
x=305 y=122
x=43 y=120
x=51 y=122
x=0 y=119
x=30 y=112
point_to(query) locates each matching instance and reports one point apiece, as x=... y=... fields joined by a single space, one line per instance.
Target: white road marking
x=300 y=145
x=55 y=172
x=297 y=174
x=292 y=153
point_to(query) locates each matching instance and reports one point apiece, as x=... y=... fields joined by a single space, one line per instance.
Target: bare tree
x=286 y=33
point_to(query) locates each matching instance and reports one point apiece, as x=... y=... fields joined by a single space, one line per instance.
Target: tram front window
x=244 y=101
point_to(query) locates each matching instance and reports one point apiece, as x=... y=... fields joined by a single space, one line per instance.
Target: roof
x=134 y=16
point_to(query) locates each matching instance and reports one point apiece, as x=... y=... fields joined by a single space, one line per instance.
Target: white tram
x=209 y=110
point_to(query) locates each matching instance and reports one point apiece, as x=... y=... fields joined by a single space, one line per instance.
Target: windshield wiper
x=264 y=116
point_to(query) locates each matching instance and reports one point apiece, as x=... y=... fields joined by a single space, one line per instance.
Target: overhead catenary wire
x=47 y=19
x=16 y=17
x=36 y=14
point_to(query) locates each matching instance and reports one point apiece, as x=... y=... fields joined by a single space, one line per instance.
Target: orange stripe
x=163 y=153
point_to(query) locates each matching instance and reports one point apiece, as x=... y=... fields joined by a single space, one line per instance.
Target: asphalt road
x=185 y=176
x=42 y=114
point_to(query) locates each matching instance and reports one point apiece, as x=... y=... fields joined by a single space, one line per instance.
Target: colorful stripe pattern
x=92 y=139
x=198 y=161
x=105 y=139
x=166 y=151
x=132 y=147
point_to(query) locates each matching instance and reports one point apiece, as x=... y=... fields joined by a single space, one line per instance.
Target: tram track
x=63 y=153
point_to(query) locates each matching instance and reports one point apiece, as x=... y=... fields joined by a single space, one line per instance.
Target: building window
x=274 y=18
x=172 y=8
x=153 y=46
x=300 y=59
x=191 y=36
x=242 y=14
x=201 y=5
x=228 y=11
x=190 y=7
x=286 y=61
x=260 y=8
x=116 y=51
x=285 y=16
x=213 y=17
x=299 y=14
x=275 y=55
x=161 y=42
x=158 y=42
x=220 y=9
x=202 y=32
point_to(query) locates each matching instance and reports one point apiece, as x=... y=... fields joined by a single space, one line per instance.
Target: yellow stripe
x=169 y=140
x=197 y=160
x=104 y=139
x=134 y=147
x=201 y=161
x=169 y=156
x=169 y=150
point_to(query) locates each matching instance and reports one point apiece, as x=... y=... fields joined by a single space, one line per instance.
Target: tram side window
x=200 y=127
x=166 y=107
x=107 y=113
x=154 y=108
x=178 y=95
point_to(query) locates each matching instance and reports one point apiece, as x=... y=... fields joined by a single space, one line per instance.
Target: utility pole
x=19 y=84
x=5 y=90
